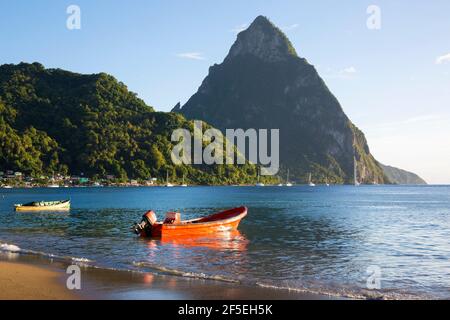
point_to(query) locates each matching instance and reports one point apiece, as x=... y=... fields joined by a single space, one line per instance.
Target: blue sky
x=388 y=81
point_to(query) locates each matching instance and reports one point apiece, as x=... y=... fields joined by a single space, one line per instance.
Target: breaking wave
x=145 y=267
x=11 y=248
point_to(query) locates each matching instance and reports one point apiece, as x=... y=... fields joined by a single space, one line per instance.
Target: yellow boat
x=44 y=206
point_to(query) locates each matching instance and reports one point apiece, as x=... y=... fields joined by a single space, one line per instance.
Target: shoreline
x=129 y=186
x=20 y=281
x=25 y=277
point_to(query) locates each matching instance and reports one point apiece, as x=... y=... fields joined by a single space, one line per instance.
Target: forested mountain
x=55 y=121
x=264 y=84
x=399 y=176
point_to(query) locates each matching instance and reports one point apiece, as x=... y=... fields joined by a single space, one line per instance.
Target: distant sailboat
x=326 y=182
x=280 y=183
x=311 y=184
x=184 y=184
x=288 y=184
x=259 y=183
x=168 y=184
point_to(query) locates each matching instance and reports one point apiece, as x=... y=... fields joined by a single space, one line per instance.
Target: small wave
x=341 y=292
x=355 y=293
x=350 y=293
x=9 y=247
x=180 y=273
x=6 y=247
x=81 y=260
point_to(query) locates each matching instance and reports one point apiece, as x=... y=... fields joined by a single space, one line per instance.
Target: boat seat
x=172 y=218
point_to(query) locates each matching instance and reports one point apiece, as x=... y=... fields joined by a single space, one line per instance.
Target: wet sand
x=27 y=282
x=26 y=277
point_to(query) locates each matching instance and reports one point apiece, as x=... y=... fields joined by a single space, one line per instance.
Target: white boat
x=53 y=186
x=311 y=184
x=184 y=185
x=259 y=183
x=326 y=182
x=288 y=184
x=168 y=184
x=7 y=187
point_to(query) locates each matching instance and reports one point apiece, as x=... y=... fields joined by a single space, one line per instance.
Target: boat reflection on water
x=230 y=240
x=184 y=256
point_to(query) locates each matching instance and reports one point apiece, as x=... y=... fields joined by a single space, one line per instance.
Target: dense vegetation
x=53 y=121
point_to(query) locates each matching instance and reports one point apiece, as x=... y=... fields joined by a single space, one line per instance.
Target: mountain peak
x=264 y=40
x=262 y=20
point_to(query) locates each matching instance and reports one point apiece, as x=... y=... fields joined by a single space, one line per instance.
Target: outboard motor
x=145 y=227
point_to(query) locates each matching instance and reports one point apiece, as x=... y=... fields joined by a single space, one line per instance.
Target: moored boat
x=184 y=185
x=311 y=183
x=172 y=226
x=168 y=184
x=288 y=183
x=259 y=183
x=44 y=206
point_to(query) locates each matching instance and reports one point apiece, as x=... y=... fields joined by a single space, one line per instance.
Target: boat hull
x=64 y=206
x=218 y=223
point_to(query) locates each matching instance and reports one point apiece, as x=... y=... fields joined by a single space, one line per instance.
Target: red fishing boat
x=173 y=226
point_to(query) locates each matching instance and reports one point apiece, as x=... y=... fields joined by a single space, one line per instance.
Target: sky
x=393 y=82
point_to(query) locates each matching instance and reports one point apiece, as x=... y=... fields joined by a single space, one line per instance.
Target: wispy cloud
x=346 y=73
x=291 y=27
x=240 y=28
x=443 y=59
x=349 y=70
x=191 y=55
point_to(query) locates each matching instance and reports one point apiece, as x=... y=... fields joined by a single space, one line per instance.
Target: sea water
x=367 y=241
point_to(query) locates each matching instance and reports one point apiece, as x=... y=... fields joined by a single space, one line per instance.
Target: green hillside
x=54 y=121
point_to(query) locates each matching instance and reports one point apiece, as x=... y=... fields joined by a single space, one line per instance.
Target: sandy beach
x=29 y=278
x=27 y=282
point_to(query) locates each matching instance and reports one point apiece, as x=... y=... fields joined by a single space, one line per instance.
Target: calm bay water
x=315 y=239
